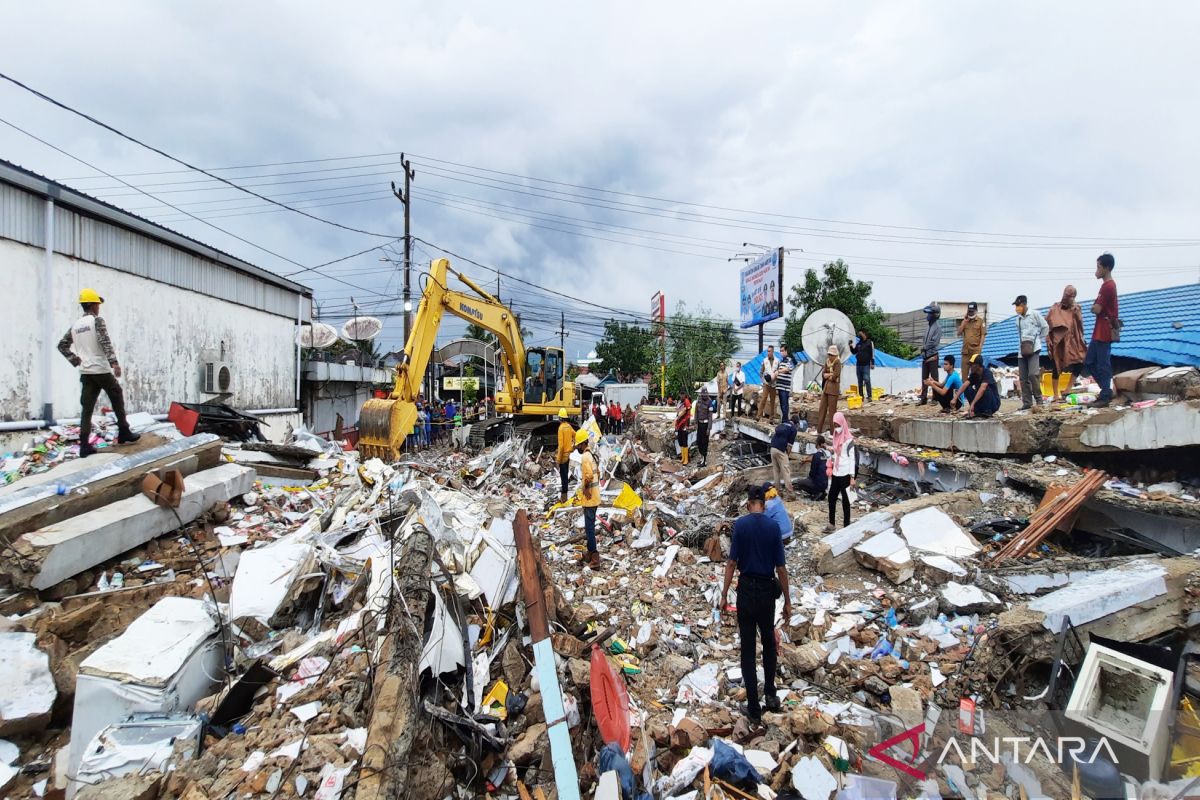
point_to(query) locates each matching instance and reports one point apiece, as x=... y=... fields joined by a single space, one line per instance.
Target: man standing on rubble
x=722 y=385
x=783 y=381
x=566 y=440
x=87 y=346
x=683 y=419
x=739 y=388
x=766 y=397
x=781 y=467
x=1105 y=331
x=973 y=331
x=831 y=389
x=703 y=414
x=1031 y=332
x=589 y=496
x=757 y=554
x=929 y=348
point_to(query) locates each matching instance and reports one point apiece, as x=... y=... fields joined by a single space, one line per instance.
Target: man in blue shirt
x=757 y=553
x=980 y=390
x=946 y=391
x=817 y=482
x=781 y=467
x=777 y=512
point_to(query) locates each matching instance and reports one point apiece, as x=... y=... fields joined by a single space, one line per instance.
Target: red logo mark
x=879 y=751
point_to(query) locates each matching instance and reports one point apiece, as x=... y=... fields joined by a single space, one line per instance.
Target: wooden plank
x=39 y=513
x=527 y=560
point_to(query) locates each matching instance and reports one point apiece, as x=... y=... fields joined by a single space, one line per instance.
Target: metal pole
x=48 y=319
x=409 y=174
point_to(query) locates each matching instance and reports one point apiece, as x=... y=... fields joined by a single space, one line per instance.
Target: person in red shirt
x=1105 y=331
x=614 y=414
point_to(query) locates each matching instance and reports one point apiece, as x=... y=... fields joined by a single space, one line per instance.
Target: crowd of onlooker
x=436 y=419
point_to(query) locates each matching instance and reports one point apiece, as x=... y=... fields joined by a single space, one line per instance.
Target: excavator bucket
x=383 y=426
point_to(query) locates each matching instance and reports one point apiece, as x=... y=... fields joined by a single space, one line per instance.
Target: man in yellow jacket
x=566 y=441
x=589 y=496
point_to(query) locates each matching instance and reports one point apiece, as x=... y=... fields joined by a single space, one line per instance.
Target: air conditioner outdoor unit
x=218 y=377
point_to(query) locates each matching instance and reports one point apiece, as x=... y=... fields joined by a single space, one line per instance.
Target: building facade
x=176 y=310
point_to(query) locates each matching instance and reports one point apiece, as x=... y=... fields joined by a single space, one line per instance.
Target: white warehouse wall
x=161 y=334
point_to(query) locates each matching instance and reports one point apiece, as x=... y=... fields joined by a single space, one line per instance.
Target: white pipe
x=48 y=316
x=37 y=424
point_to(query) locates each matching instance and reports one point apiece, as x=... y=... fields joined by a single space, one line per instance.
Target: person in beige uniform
x=87 y=346
x=831 y=389
x=973 y=331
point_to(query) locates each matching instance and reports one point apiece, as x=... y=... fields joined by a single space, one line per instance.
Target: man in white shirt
x=739 y=389
x=766 y=395
x=87 y=346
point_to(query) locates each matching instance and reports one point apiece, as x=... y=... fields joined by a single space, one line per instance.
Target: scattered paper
x=307 y=711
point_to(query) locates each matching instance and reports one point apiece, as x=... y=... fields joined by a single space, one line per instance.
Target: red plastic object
x=184 y=419
x=610 y=701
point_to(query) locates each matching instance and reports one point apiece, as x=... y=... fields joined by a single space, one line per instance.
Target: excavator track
x=489 y=431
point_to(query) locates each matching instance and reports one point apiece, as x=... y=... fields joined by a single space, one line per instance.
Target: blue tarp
x=1162 y=326
x=883 y=359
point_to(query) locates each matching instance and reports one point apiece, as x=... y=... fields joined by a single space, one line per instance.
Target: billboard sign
x=762 y=289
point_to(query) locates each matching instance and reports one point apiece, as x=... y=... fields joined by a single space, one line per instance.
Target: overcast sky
x=1054 y=131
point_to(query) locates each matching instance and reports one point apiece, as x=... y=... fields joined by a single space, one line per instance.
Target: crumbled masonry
x=337 y=628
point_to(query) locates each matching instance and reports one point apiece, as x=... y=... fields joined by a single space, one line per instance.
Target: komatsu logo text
x=474 y=312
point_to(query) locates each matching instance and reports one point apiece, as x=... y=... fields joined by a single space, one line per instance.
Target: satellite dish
x=362 y=329
x=824 y=327
x=317 y=336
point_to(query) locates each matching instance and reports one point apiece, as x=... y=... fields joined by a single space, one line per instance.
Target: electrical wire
x=180 y=161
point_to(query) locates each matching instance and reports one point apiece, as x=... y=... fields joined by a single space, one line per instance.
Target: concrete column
x=48 y=339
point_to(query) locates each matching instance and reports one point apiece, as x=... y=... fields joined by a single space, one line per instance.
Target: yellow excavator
x=532 y=388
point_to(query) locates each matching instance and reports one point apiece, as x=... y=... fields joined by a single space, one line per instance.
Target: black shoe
x=86 y=450
x=754 y=716
x=772 y=703
x=1102 y=404
x=127 y=436
x=1026 y=406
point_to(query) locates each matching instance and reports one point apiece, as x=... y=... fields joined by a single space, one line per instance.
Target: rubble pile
x=317 y=626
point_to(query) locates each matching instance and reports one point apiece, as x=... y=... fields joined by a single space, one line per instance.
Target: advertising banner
x=762 y=289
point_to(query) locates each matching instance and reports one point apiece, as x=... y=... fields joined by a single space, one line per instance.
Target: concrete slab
x=933 y=531
x=67 y=548
x=833 y=552
x=1100 y=594
x=887 y=553
x=1174 y=425
x=30 y=505
x=963 y=598
x=27 y=692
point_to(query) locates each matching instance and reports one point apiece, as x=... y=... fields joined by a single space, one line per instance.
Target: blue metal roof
x=1162 y=326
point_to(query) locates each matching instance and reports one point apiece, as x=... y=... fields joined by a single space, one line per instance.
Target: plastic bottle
x=1080 y=399
x=118 y=580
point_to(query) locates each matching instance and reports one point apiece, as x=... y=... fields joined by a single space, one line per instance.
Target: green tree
x=697 y=344
x=470 y=390
x=628 y=350
x=836 y=289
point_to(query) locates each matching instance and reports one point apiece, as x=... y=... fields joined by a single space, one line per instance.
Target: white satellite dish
x=317 y=336
x=824 y=327
x=362 y=329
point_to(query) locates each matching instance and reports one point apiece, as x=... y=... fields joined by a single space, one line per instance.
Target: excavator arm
x=385 y=424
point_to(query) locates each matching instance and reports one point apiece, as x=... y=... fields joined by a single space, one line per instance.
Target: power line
x=180 y=161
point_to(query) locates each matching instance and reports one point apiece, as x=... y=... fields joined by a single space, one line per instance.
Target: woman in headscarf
x=831 y=389
x=843 y=465
x=1065 y=339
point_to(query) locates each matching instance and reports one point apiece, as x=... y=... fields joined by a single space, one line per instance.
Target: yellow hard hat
x=90 y=296
x=562 y=413
x=581 y=436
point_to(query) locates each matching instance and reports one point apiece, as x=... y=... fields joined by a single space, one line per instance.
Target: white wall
x=159 y=332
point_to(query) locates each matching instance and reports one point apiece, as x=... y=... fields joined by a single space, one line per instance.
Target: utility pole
x=562 y=332
x=405 y=197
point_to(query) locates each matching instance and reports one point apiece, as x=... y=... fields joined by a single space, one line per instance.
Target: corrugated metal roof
x=22 y=219
x=883 y=359
x=1162 y=326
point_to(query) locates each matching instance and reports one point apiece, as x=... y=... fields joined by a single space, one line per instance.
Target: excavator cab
x=544 y=368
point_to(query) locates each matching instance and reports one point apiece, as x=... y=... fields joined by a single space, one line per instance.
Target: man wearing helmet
x=589 y=496
x=87 y=346
x=929 y=348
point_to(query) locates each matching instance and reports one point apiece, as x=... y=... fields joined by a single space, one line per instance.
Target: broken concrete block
x=266 y=575
x=834 y=552
x=934 y=531
x=887 y=553
x=939 y=569
x=907 y=705
x=69 y=547
x=803 y=658
x=921 y=611
x=960 y=598
x=166 y=661
x=529 y=744
x=27 y=692
x=1102 y=593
